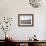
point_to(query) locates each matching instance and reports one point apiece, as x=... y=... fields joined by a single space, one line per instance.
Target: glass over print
x=25 y=19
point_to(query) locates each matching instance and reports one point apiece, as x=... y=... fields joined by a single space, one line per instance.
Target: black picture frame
x=25 y=20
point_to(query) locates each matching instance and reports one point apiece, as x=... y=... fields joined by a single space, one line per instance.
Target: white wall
x=11 y=8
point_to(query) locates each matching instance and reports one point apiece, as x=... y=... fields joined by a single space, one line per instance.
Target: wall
x=11 y=8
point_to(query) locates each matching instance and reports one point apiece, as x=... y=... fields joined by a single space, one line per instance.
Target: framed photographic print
x=25 y=19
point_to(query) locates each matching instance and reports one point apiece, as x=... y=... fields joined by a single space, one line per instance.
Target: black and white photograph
x=25 y=19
